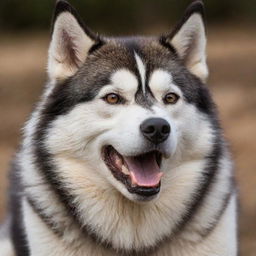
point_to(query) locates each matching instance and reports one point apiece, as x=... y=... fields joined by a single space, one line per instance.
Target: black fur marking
x=45 y=218
x=209 y=174
x=219 y=214
x=60 y=232
x=46 y=167
x=195 y=92
x=145 y=100
x=18 y=234
x=96 y=46
x=165 y=43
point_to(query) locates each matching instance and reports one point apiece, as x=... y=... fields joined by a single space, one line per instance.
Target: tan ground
x=232 y=59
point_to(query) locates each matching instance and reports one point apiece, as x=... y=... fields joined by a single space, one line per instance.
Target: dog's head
x=131 y=108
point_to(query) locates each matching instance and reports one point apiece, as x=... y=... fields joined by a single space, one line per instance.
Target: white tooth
x=125 y=170
x=133 y=180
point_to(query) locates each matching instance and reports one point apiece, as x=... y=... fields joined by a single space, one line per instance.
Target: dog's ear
x=189 y=40
x=70 y=44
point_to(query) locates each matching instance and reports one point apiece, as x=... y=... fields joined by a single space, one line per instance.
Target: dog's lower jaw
x=133 y=197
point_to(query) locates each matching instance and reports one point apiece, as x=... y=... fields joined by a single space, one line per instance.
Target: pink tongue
x=144 y=170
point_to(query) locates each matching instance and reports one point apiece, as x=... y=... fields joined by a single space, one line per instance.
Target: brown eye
x=112 y=98
x=171 y=98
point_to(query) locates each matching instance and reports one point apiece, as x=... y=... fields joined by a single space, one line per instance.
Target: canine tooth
x=133 y=180
x=125 y=170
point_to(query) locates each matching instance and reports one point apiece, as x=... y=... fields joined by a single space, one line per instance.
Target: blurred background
x=24 y=39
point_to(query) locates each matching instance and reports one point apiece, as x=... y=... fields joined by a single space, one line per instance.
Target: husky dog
x=124 y=154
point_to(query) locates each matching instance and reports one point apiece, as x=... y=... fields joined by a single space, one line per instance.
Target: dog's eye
x=171 y=98
x=112 y=98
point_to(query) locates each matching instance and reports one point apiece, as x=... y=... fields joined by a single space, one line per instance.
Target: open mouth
x=140 y=174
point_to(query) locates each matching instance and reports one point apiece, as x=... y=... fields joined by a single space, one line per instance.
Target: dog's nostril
x=150 y=129
x=166 y=129
x=156 y=130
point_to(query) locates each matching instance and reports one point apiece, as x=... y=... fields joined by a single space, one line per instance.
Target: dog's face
x=128 y=108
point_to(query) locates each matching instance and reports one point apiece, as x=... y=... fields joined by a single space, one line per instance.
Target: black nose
x=155 y=130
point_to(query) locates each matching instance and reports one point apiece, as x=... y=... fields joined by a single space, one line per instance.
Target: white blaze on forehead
x=142 y=71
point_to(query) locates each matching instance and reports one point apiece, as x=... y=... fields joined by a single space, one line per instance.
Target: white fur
x=6 y=248
x=190 y=42
x=142 y=71
x=124 y=83
x=161 y=83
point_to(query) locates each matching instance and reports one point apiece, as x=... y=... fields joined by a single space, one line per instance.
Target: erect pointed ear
x=70 y=44
x=189 y=40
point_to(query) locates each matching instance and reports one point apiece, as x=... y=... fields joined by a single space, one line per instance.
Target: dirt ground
x=232 y=61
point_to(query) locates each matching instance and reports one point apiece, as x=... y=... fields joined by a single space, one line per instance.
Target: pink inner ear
x=70 y=49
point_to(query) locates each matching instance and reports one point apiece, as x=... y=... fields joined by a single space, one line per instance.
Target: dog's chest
x=42 y=241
